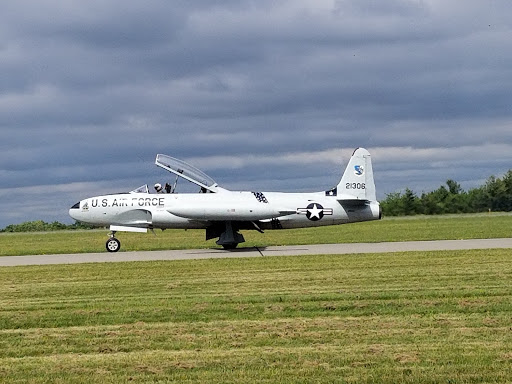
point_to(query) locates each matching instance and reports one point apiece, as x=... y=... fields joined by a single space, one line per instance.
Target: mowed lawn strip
x=474 y=226
x=403 y=317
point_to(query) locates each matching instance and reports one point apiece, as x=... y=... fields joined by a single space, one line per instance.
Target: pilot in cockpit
x=158 y=188
x=166 y=189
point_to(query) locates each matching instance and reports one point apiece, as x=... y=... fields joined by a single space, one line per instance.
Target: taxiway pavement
x=296 y=250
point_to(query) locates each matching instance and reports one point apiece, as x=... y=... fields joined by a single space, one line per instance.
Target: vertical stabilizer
x=357 y=181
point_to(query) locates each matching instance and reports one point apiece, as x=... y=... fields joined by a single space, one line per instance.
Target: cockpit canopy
x=186 y=171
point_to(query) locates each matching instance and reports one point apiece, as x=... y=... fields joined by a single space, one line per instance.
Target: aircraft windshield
x=186 y=171
x=141 y=189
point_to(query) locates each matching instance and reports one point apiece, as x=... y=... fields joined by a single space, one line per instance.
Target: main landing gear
x=229 y=237
x=113 y=244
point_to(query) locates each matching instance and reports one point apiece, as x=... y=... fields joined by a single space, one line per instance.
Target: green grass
x=429 y=317
x=389 y=229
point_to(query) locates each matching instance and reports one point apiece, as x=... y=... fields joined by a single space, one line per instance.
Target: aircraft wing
x=135 y=218
x=228 y=213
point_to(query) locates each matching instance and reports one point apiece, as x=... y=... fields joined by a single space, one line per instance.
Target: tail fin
x=357 y=181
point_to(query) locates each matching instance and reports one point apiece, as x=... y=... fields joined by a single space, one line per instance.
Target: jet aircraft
x=223 y=213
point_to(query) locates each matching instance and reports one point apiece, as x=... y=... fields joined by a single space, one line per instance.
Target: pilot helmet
x=158 y=187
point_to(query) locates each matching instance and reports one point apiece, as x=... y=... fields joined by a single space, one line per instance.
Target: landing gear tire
x=229 y=246
x=113 y=244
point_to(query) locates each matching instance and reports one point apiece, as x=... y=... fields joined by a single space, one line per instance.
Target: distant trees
x=42 y=226
x=494 y=195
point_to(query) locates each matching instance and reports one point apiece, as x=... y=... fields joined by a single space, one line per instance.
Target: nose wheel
x=113 y=244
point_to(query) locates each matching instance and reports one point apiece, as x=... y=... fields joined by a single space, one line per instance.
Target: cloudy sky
x=261 y=95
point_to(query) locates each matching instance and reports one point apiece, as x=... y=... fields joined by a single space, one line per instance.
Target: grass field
x=429 y=317
x=389 y=229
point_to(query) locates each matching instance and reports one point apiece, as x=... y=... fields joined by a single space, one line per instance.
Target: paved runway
x=335 y=249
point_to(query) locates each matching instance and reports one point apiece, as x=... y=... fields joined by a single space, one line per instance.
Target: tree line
x=42 y=226
x=494 y=195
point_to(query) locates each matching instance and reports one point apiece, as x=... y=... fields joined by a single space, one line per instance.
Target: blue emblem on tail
x=358 y=170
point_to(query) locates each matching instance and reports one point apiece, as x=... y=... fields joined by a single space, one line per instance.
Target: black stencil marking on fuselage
x=260 y=197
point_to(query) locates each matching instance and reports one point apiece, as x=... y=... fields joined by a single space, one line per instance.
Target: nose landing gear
x=113 y=244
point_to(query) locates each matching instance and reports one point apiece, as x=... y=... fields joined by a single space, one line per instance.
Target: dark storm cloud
x=262 y=95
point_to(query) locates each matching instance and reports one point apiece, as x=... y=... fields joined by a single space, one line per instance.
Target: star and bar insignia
x=314 y=211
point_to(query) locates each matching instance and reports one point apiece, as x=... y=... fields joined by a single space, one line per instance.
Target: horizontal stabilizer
x=353 y=202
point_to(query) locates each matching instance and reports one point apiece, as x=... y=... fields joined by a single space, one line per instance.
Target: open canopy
x=186 y=171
